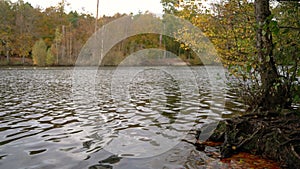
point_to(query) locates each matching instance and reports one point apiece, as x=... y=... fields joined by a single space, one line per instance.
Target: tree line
x=24 y=28
x=51 y=37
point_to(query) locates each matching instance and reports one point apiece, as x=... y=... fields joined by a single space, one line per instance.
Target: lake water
x=126 y=117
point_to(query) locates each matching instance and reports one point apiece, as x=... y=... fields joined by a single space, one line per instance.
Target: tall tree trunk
x=71 y=46
x=271 y=97
x=7 y=57
x=63 y=45
x=97 y=13
x=56 y=48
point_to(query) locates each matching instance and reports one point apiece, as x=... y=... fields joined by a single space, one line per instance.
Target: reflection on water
x=42 y=127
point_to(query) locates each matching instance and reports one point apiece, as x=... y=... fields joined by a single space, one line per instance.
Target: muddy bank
x=272 y=135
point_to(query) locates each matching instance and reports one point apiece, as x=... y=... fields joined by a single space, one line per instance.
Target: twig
x=294 y=152
x=288 y=141
x=184 y=140
x=249 y=138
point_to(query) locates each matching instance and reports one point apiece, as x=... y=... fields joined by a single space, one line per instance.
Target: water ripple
x=43 y=126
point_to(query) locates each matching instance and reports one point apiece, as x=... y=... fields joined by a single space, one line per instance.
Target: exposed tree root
x=272 y=135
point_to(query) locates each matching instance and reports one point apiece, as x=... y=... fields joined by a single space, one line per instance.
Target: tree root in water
x=272 y=135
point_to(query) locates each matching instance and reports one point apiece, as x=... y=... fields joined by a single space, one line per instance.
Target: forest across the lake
x=257 y=41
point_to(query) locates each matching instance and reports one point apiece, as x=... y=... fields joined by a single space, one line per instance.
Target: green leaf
x=275 y=30
x=273 y=24
x=249 y=67
x=274 y=27
x=267 y=58
x=296 y=98
x=285 y=31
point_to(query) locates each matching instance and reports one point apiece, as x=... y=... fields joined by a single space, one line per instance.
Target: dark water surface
x=133 y=117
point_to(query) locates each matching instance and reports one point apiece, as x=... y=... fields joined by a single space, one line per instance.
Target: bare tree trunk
x=71 y=46
x=97 y=12
x=63 y=45
x=7 y=56
x=68 y=41
x=56 y=48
